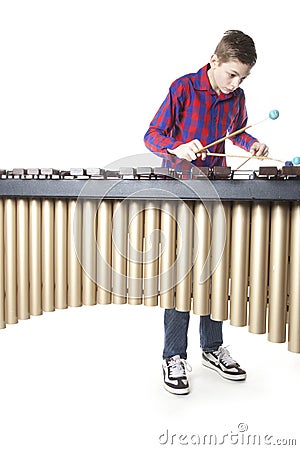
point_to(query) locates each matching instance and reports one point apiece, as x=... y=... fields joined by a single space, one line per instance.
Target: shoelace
x=223 y=355
x=178 y=367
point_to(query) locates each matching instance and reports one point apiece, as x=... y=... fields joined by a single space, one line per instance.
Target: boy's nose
x=235 y=83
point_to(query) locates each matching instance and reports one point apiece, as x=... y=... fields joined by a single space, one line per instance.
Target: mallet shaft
x=218 y=141
x=244 y=156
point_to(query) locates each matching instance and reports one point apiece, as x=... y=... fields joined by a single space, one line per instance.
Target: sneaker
x=221 y=361
x=175 y=379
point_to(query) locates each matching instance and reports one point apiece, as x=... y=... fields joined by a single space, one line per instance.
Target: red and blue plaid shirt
x=193 y=110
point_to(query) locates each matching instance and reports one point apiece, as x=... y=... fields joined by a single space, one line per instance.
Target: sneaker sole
x=176 y=391
x=240 y=377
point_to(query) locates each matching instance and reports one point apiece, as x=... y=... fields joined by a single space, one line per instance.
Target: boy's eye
x=230 y=75
x=233 y=75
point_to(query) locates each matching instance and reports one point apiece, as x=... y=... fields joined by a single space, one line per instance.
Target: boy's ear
x=214 y=60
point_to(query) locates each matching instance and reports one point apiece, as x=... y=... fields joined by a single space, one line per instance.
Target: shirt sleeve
x=159 y=138
x=243 y=140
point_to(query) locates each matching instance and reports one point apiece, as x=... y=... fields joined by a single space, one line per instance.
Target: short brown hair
x=236 y=45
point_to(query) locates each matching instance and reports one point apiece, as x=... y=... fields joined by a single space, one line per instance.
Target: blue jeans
x=176 y=328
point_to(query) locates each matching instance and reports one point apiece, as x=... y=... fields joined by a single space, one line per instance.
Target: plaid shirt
x=193 y=110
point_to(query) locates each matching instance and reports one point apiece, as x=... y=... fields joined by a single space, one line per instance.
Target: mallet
x=247 y=157
x=274 y=114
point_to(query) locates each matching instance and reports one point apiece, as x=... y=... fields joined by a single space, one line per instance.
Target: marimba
x=213 y=241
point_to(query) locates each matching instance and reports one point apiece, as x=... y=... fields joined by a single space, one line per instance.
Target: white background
x=80 y=82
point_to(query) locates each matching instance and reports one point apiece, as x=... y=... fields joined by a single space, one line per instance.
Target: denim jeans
x=176 y=325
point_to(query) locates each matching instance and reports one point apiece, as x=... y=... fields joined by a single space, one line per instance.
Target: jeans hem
x=211 y=349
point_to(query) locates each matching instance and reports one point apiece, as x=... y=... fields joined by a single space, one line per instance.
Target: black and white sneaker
x=175 y=378
x=221 y=361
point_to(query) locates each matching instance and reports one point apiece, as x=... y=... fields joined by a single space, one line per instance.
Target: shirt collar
x=201 y=83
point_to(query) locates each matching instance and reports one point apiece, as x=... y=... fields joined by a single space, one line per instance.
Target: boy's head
x=232 y=61
x=236 y=45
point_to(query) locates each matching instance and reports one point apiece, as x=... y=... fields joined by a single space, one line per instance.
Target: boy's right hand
x=189 y=150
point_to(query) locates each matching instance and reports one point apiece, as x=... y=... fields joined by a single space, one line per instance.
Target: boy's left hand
x=259 y=149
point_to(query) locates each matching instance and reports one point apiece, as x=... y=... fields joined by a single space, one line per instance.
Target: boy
x=200 y=108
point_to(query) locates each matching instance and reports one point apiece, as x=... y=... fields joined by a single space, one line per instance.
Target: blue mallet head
x=274 y=114
x=296 y=160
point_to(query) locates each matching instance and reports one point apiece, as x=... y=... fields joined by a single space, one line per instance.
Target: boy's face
x=227 y=76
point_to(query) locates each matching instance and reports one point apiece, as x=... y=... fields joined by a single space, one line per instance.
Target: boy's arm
x=245 y=140
x=159 y=137
x=251 y=144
